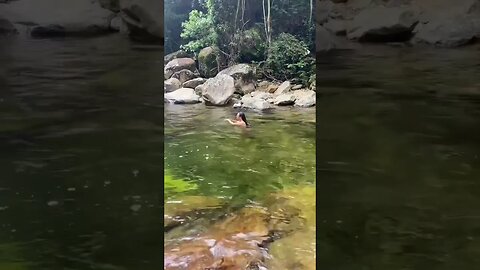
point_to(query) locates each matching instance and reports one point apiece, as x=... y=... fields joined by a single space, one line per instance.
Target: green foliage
x=290 y=58
x=252 y=46
x=176 y=185
x=198 y=31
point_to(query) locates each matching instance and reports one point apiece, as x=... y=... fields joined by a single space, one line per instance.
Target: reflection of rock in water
x=237 y=242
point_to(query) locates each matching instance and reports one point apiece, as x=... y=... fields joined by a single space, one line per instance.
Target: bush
x=252 y=46
x=289 y=58
x=199 y=31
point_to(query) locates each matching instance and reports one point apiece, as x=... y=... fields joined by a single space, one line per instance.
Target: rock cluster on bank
x=442 y=23
x=236 y=86
x=139 y=19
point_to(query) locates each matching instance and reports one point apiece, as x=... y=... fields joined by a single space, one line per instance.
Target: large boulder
x=143 y=18
x=178 y=54
x=59 y=18
x=171 y=85
x=207 y=62
x=218 y=90
x=448 y=32
x=193 y=83
x=448 y=23
x=285 y=99
x=182 y=96
x=285 y=87
x=184 y=75
x=178 y=64
x=244 y=76
x=6 y=27
x=305 y=98
x=256 y=104
x=383 y=24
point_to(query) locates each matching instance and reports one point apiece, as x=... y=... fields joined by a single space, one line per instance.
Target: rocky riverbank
x=343 y=24
x=138 y=19
x=189 y=81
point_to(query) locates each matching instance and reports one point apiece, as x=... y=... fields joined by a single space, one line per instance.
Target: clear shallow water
x=398 y=159
x=238 y=167
x=80 y=154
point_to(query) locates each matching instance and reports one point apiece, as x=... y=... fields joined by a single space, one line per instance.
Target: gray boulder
x=219 y=90
x=193 y=83
x=305 y=98
x=285 y=99
x=285 y=87
x=182 y=96
x=59 y=18
x=448 y=32
x=178 y=54
x=184 y=75
x=244 y=76
x=382 y=23
x=171 y=85
x=178 y=64
x=254 y=103
x=143 y=18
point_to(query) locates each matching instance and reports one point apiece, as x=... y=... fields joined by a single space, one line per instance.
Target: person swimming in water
x=240 y=120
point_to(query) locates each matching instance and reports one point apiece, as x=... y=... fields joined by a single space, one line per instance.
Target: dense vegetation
x=277 y=36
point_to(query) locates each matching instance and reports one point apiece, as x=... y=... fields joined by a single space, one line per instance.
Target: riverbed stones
x=244 y=76
x=207 y=62
x=383 y=24
x=193 y=83
x=178 y=54
x=142 y=18
x=448 y=32
x=283 y=88
x=219 y=90
x=184 y=75
x=182 y=96
x=233 y=243
x=171 y=85
x=178 y=64
x=305 y=98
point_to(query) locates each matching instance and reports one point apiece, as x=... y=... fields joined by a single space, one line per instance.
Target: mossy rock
x=207 y=62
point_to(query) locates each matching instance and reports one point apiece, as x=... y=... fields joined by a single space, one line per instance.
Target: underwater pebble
x=71 y=189
x=52 y=203
x=135 y=207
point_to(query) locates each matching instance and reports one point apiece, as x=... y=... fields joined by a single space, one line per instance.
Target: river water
x=81 y=153
x=398 y=159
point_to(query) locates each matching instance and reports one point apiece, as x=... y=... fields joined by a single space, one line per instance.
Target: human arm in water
x=235 y=122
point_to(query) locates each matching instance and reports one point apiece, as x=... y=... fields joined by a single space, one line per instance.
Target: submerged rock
x=233 y=243
x=178 y=209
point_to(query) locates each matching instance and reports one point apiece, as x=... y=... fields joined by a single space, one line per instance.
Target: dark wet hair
x=244 y=118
